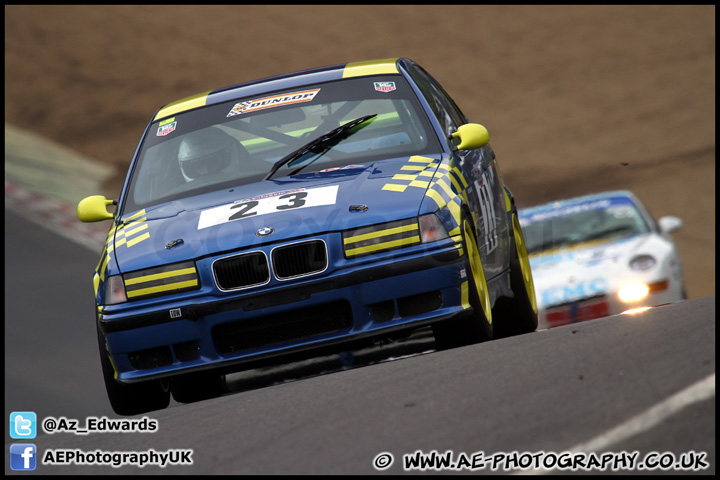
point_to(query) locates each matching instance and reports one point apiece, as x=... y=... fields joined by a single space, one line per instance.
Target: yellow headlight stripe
x=159 y=276
x=383 y=246
x=162 y=288
x=380 y=233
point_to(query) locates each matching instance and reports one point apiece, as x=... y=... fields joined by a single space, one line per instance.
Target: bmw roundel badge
x=265 y=231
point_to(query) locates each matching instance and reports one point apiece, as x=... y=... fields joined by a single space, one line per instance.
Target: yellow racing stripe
x=382 y=246
x=162 y=288
x=158 y=276
x=380 y=233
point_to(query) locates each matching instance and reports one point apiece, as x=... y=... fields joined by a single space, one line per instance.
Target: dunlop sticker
x=273 y=101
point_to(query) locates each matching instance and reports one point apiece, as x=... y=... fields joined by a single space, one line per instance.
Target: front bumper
x=357 y=301
x=663 y=290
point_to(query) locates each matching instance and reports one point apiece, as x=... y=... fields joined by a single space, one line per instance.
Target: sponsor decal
x=385 y=87
x=273 y=101
x=574 y=291
x=166 y=126
x=560 y=209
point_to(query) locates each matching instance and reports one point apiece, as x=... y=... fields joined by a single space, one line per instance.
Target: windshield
x=239 y=141
x=548 y=228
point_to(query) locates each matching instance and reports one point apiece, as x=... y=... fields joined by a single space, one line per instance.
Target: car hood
x=588 y=269
x=299 y=206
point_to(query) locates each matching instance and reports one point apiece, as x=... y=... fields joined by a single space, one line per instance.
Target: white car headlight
x=115 y=290
x=431 y=228
x=642 y=262
x=633 y=292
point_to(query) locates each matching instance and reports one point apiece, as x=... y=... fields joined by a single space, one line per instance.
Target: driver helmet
x=204 y=152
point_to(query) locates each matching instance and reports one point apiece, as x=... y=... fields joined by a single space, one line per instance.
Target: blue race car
x=304 y=213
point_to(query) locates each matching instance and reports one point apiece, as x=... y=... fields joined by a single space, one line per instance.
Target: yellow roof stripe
x=183 y=105
x=373 y=67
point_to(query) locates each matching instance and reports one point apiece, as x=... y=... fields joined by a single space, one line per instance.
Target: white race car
x=600 y=255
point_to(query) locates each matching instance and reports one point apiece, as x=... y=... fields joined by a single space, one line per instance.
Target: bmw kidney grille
x=288 y=261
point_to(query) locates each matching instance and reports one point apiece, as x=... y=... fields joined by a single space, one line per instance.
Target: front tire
x=476 y=327
x=135 y=398
x=518 y=315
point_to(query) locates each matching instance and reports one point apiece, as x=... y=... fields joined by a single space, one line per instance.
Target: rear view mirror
x=669 y=224
x=471 y=135
x=94 y=209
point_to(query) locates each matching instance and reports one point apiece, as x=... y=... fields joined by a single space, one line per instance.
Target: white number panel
x=270 y=203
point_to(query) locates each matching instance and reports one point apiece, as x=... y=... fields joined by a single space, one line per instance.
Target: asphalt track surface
x=623 y=384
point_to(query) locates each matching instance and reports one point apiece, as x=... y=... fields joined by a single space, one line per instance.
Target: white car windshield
x=565 y=225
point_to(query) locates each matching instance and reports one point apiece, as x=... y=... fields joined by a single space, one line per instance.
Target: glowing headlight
x=431 y=228
x=115 y=291
x=642 y=262
x=633 y=292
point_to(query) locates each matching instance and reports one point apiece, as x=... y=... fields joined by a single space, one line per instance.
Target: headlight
x=633 y=292
x=153 y=282
x=115 y=291
x=431 y=228
x=642 y=262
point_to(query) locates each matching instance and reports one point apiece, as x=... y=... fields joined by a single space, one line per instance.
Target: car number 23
x=276 y=202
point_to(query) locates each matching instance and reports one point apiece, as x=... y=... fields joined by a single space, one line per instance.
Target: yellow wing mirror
x=471 y=135
x=94 y=209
